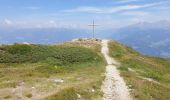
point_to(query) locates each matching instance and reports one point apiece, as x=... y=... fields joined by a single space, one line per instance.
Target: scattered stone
x=33 y=87
x=131 y=70
x=78 y=96
x=58 y=80
x=151 y=80
x=93 y=90
x=86 y=39
x=26 y=43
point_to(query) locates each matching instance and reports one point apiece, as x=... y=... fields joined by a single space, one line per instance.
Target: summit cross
x=93 y=26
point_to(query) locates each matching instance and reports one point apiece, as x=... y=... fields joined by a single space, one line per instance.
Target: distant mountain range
x=40 y=35
x=148 y=38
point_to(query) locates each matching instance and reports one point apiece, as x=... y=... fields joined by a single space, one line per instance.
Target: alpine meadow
x=84 y=50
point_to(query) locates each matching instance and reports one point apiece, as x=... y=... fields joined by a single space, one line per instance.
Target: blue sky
x=80 y=13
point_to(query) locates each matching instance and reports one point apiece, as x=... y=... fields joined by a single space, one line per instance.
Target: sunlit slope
x=147 y=77
x=53 y=72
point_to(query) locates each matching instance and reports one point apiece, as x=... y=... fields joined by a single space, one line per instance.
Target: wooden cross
x=93 y=26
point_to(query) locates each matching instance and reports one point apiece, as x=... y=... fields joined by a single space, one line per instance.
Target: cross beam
x=93 y=26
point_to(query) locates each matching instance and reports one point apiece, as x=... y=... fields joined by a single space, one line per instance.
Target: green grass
x=65 y=94
x=7 y=97
x=80 y=67
x=154 y=68
x=58 y=55
x=29 y=95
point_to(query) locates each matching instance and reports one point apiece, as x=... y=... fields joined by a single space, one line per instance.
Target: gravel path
x=114 y=87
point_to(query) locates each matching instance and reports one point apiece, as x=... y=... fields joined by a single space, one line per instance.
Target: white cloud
x=85 y=9
x=136 y=13
x=102 y=9
x=40 y=24
x=165 y=54
x=111 y=9
x=7 y=22
x=160 y=43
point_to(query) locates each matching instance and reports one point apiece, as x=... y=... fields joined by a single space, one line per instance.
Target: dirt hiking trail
x=114 y=87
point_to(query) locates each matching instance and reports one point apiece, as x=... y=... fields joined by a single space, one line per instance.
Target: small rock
x=58 y=80
x=130 y=86
x=26 y=43
x=78 y=96
x=131 y=70
x=93 y=90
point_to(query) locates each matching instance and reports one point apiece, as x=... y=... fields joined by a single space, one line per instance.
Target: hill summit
x=76 y=70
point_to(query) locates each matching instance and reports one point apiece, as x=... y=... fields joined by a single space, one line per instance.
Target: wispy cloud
x=101 y=9
x=39 y=24
x=8 y=22
x=125 y=13
x=136 y=13
x=111 y=9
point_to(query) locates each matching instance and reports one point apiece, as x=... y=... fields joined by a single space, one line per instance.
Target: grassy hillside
x=147 y=77
x=56 y=72
x=20 y=53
